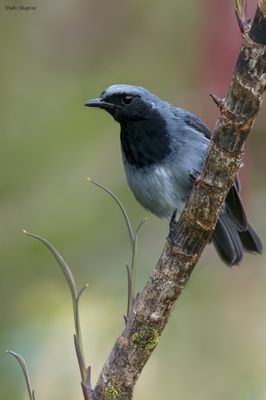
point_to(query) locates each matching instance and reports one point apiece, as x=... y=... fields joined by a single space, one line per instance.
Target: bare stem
x=25 y=371
x=75 y=295
x=120 y=205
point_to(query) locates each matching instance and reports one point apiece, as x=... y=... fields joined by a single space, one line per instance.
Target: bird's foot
x=193 y=175
x=172 y=228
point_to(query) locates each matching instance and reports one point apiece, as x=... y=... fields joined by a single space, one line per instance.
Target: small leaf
x=238 y=4
x=241 y=10
x=81 y=291
x=241 y=7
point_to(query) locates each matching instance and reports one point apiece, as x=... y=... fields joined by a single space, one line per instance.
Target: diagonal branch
x=153 y=307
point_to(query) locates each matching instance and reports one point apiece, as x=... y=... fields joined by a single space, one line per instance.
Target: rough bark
x=153 y=307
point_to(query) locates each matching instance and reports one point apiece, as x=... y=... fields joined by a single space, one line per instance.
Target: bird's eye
x=127 y=99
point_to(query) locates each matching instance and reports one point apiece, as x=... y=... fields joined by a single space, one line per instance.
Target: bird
x=163 y=149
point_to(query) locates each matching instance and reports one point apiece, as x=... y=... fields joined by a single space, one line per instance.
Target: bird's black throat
x=145 y=142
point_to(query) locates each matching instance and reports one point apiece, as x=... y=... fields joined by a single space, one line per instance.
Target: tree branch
x=153 y=307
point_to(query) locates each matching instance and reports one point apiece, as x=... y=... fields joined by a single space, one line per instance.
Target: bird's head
x=126 y=102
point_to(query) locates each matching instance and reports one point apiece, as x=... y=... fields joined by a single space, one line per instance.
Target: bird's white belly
x=157 y=189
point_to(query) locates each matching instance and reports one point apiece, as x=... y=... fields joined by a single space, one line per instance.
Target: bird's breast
x=156 y=189
x=145 y=142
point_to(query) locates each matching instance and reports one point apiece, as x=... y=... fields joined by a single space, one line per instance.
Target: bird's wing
x=233 y=200
x=193 y=121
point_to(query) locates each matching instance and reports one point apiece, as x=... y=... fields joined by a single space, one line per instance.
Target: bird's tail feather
x=230 y=242
x=251 y=240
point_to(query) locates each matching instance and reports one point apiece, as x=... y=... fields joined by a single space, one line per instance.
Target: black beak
x=100 y=103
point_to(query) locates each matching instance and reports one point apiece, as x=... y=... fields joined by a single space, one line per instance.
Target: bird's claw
x=194 y=175
x=172 y=228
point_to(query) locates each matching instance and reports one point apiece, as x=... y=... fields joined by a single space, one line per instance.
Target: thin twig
x=75 y=295
x=120 y=205
x=25 y=371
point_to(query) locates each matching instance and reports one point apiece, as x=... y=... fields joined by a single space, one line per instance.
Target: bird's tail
x=231 y=241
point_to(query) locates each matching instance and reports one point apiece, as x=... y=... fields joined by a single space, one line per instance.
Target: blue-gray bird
x=163 y=148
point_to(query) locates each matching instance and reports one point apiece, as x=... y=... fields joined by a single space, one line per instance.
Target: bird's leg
x=172 y=228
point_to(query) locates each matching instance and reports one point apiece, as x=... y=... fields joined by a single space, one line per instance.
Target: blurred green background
x=52 y=60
